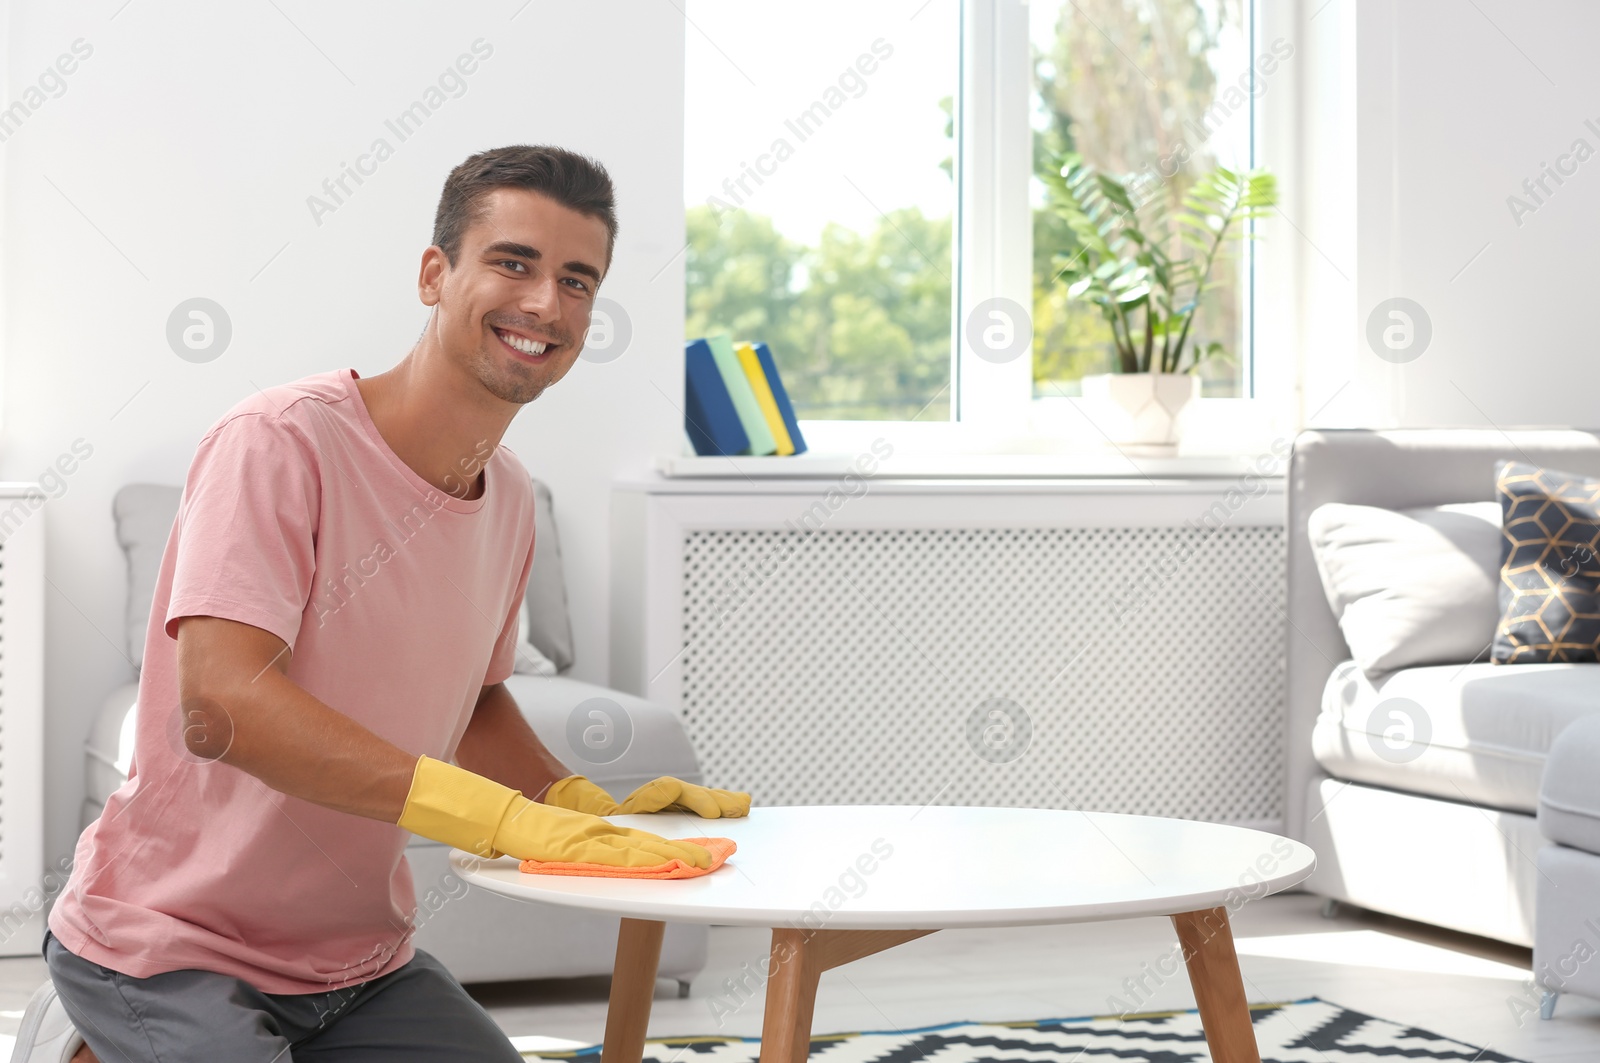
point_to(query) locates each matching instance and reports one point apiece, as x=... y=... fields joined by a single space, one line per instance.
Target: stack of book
x=735 y=402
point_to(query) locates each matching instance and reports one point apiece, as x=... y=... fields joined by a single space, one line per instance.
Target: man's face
x=525 y=276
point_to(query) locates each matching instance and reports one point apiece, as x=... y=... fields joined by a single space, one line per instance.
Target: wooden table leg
x=798 y=959
x=633 y=986
x=1207 y=942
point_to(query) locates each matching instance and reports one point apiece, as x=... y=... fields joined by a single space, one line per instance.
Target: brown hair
x=575 y=181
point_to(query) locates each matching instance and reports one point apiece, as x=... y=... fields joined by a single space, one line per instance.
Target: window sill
x=1110 y=465
x=1054 y=440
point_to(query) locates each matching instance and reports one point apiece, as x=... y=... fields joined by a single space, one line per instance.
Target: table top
x=901 y=867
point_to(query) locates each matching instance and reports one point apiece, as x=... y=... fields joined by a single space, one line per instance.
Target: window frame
x=993 y=410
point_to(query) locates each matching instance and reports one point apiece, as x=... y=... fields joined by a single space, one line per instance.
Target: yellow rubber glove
x=453 y=805
x=580 y=795
x=667 y=794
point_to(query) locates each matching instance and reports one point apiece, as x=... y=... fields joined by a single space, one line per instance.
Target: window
x=1155 y=93
x=862 y=180
x=820 y=194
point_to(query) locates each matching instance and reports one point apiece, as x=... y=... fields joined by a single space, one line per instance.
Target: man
x=335 y=614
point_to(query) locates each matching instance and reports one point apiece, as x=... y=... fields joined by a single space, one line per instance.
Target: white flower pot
x=1141 y=412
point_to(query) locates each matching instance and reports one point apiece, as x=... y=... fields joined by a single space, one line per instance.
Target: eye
x=582 y=287
x=512 y=262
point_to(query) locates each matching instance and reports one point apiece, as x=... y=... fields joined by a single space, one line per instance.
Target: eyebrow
x=511 y=247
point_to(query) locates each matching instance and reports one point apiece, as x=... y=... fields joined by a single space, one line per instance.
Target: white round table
x=840 y=882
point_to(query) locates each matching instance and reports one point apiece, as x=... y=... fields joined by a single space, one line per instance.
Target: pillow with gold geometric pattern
x=1549 y=565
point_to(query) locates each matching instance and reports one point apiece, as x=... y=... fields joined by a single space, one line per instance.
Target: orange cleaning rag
x=719 y=848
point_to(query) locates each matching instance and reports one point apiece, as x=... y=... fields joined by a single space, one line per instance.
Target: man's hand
x=580 y=795
x=667 y=794
x=468 y=811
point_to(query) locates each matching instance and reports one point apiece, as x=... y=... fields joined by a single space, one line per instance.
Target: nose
x=540 y=298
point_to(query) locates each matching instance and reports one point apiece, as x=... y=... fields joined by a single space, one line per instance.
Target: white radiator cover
x=24 y=888
x=1055 y=649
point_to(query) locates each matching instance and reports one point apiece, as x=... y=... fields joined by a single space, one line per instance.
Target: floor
x=1462 y=987
x=1452 y=984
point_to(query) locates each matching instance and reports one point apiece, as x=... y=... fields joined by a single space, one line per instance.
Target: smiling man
x=244 y=896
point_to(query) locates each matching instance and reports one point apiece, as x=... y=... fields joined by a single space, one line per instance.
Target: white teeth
x=522 y=344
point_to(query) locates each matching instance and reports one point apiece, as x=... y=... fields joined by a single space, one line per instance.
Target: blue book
x=742 y=394
x=708 y=414
x=781 y=397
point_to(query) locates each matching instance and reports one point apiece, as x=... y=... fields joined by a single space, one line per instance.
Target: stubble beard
x=516 y=384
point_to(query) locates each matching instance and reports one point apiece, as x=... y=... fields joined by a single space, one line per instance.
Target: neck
x=437 y=419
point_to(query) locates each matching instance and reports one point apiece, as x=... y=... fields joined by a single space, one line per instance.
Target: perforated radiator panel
x=1128 y=670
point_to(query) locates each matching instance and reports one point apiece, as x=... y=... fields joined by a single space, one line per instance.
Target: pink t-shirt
x=399 y=604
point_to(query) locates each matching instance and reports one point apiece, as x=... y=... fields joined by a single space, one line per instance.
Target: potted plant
x=1129 y=266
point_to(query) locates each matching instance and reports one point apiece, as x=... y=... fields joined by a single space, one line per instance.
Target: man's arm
x=499 y=743
x=239 y=707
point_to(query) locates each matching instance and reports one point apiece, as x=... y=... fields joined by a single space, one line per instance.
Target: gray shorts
x=417 y=1013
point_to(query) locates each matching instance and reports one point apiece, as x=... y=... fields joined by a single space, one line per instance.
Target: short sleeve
x=246 y=529
x=502 y=663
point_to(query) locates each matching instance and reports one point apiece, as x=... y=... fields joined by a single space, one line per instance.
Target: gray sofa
x=1447 y=835
x=478 y=935
x=1567 y=938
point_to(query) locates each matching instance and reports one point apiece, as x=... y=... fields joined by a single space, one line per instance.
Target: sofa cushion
x=1477 y=732
x=529 y=660
x=1412 y=586
x=1550 y=577
x=144 y=515
x=549 y=622
x=1569 y=796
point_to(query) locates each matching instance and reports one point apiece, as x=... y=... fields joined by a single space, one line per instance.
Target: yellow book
x=769 y=407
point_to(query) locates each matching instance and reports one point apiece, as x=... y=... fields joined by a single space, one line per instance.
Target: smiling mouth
x=522 y=344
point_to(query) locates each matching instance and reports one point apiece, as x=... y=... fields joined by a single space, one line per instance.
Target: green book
x=744 y=399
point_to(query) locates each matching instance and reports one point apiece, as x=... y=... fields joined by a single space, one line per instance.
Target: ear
x=431 y=277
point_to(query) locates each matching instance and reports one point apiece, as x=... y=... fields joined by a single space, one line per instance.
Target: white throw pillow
x=529 y=660
x=1410 y=586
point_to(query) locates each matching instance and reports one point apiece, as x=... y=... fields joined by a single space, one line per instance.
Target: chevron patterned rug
x=1301 y=1031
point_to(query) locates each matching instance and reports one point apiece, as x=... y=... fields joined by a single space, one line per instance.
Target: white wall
x=1454 y=105
x=177 y=163
x=178 y=160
